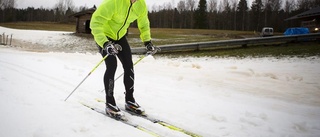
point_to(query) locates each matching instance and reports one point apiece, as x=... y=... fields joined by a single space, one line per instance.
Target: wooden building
x=83 y=20
x=309 y=19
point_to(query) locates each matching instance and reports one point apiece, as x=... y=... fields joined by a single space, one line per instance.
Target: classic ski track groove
x=35 y=75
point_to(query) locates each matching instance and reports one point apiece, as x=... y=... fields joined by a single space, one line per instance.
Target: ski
x=123 y=120
x=158 y=121
x=162 y=123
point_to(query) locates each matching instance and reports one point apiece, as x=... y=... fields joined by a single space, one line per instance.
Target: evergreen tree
x=316 y=3
x=256 y=15
x=201 y=15
x=242 y=12
x=226 y=15
x=212 y=14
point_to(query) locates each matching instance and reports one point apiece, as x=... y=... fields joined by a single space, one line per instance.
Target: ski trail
x=58 y=85
x=43 y=78
x=208 y=96
x=32 y=104
x=48 y=84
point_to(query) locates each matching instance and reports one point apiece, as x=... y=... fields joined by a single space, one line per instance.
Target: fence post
x=7 y=40
x=10 y=39
x=3 y=39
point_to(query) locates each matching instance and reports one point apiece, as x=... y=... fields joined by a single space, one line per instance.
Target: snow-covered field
x=250 y=97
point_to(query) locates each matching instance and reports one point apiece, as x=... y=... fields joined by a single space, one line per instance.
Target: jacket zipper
x=124 y=21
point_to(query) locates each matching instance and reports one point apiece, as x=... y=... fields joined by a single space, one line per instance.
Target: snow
x=44 y=41
x=210 y=96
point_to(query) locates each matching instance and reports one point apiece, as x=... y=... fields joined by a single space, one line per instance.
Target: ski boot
x=114 y=112
x=135 y=108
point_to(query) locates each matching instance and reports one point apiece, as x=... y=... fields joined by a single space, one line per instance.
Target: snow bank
x=38 y=40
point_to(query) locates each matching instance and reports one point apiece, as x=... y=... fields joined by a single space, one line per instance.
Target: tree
x=61 y=7
x=267 y=12
x=172 y=11
x=212 y=5
x=225 y=15
x=212 y=13
x=275 y=17
x=289 y=6
x=7 y=12
x=181 y=7
x=242 y=12
x=191 y=7
x=256 y=13
x=316 y=3
x=5 y=4
x=201 y=15
x=233 y=13
x=304 y=5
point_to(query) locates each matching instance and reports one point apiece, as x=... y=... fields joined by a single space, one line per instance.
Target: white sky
x=78 y=3
x=87 y=3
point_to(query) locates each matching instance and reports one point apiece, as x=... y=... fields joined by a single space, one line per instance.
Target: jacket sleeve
x=99 y=21
x=144 y=25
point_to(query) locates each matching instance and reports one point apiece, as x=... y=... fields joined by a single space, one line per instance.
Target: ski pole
x=87 y=76
x=133 y=65
x=147 y=54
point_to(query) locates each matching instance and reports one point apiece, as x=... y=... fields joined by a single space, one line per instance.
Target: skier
x=109 y=25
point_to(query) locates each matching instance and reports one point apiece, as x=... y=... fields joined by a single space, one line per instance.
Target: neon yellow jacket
x=113 y=17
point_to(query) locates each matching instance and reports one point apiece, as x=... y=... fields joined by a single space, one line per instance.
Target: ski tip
x=121 y=118
x=124 y=119
x=144 y=114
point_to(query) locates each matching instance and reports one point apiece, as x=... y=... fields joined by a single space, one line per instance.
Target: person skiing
x=109 y=25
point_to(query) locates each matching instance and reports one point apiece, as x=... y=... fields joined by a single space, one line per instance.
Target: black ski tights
x=125 y=58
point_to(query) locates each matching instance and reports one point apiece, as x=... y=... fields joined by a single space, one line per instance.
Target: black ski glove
x=111 y=48
x=151 y=49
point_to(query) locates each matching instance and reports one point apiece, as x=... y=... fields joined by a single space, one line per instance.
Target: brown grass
x=51 y=26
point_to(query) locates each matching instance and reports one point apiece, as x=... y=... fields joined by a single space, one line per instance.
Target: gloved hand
x=151 y=49
x=111 y=48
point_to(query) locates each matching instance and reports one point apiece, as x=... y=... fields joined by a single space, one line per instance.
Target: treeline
x=60 y=12
x=230 y=14
x=194 y=14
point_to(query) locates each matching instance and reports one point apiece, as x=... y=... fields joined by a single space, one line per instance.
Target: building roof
x=89 y=11
x=307 y=14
